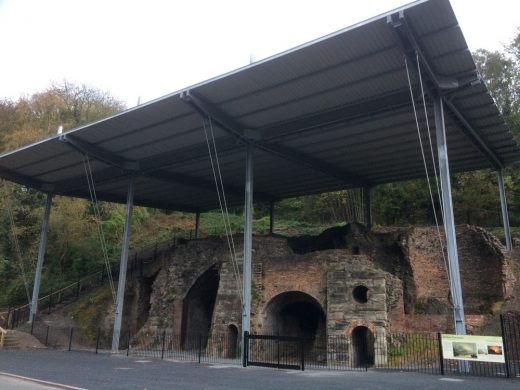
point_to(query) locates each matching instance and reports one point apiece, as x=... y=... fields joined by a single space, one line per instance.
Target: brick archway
x=356 y=323
x=197 y=308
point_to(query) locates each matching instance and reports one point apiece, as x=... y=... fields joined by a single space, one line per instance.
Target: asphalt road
x=90 y=371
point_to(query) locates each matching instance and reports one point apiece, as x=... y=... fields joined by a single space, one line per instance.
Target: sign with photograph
x=475 y=348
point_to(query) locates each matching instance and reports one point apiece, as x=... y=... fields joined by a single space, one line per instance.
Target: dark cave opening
x=198 y=308
x=363 y=347
x=295 y=313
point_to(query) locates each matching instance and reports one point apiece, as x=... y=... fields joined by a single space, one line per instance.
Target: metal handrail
x=3 y=333
x=96 y=274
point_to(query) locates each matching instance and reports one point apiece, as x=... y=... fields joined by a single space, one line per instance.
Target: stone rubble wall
x=402 y=267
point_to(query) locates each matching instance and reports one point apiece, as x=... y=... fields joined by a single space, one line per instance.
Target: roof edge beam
x=9 y=175
x=99 y=153
x=171 y=178
x=443 y=86
x=138 y=202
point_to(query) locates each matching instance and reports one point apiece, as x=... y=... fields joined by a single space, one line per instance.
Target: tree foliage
x=73 y=247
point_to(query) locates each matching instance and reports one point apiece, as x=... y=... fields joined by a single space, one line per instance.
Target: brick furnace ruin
x=346 y=281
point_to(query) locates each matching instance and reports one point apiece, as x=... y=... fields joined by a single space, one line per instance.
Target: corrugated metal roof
x=332 y=114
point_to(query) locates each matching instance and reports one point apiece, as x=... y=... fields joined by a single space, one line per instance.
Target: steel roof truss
x=410 y=46
x=99 y=153
x=253 y=137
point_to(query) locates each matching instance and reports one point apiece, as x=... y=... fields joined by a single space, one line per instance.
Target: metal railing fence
x=414 y=352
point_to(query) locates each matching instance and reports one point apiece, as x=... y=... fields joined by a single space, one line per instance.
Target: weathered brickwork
x=400 y=274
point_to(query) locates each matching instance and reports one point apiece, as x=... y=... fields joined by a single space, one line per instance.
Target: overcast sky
x=150 y=48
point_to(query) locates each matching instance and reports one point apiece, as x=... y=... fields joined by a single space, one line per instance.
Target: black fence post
x=70 y=339
x=278 y=354
x=47 y=336
x=365 y=352
x=128 y=344
x=97 y=340
x=50 y=302
x=200 y=346
x=79 y=288
x=302 y=353
x=245 y=350
x=7 y=318
x=163 y=341
x=32 y=325
x=441 y=356
x=504 y=343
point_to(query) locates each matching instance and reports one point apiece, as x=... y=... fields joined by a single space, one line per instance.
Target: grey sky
x=150 y=48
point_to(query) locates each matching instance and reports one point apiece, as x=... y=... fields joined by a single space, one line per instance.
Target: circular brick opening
x=360 y=294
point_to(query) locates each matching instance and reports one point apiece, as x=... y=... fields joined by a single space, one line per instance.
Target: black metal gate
x=274 y=351
x=511 y=338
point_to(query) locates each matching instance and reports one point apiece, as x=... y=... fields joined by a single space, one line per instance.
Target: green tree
x=73 y=245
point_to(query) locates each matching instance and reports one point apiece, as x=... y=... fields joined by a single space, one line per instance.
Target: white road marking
x=41 y=382
x=451 y=380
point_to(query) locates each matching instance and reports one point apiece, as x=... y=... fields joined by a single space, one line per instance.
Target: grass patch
x=411 y=349
x=499 y=232
x=89 y=311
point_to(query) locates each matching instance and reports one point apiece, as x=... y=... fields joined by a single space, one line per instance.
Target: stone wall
x=485 y=270
x=402 y=269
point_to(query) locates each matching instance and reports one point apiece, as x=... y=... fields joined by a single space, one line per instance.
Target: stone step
x=11 y=341
x=20 y=340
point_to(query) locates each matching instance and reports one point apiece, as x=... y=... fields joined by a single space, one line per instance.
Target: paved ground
x=90 y=371
x=9 y=383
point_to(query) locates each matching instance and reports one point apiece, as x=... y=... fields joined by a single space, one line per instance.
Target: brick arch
x=361 y=322
x=275 y=294
x=198 y=274
x=198 y=307
x=295 y=313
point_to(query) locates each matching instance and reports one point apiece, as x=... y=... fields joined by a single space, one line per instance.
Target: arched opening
x=363 y=347
x=198 y=308
x=232 y=342
x=295 y=313
x=137 y=303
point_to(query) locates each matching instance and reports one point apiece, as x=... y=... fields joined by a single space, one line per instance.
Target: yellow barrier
x=3 y=332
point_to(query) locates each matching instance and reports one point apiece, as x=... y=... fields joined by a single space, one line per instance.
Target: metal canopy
x=332 y=114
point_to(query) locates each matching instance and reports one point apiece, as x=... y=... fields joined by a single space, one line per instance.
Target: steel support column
x=368 y=207
x=197 y=224
x=41 y=257
x=449 y=220
x=248 y=243
x=123 y=265
x=505 y=214
x=271 y=218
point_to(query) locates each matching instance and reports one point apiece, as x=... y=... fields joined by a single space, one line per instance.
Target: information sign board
x=474 y=348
